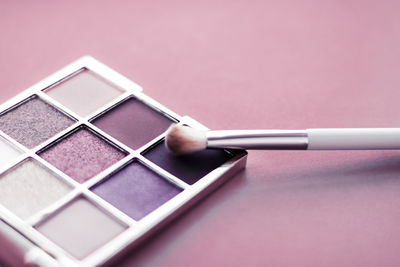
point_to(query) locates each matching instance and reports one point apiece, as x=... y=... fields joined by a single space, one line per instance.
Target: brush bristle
x=183 y=139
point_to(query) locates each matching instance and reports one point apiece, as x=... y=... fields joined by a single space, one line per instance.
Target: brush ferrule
x=258 y=139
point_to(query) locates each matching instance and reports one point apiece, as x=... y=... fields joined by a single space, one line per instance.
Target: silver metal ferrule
x=258 y=139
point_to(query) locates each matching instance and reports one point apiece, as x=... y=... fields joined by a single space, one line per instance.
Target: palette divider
x=108 y=137
x=166 y=175
x=109 y=209
x=137 y=154
x=158 y=107
x=103 y=175
x=68 y=112
x=59 y=174
x=103 y=109
x=54 y=207
x=78 y=189
x=9 y=165
x=43 y=145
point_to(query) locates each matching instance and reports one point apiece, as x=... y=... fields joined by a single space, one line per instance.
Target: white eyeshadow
x=29 y=188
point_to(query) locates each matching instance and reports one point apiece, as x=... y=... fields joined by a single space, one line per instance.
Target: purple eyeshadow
x=136 y=190
x=33 y=122
x=82 y=155
x=133 y=123
x=189 y=168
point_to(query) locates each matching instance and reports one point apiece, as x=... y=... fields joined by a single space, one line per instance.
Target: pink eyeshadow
x=82 y=155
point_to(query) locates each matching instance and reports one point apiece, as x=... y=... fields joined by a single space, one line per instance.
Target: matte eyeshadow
x=8 y=152
x=189 y=168
x=29 y=187
x=133 y=123
x=136 y=190
x=82 y=155
x=33 y=122
x=80 y=228
x=84 y=92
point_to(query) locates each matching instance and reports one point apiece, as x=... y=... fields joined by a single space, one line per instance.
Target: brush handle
x=354 y=139
x=311 y=139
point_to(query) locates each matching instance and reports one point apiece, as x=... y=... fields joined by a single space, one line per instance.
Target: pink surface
x=248 y=64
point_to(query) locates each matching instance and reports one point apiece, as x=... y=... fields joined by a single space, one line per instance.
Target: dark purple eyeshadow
x=136 y=190
x=189 y=168
x=133 y=123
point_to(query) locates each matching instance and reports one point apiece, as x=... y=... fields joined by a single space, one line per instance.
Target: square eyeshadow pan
x=136 y=190
x=189 y=168
x=84 y=92
x=33 y=121
x=80 y=228
x=82 y=155
x=133 y=123
x=29 y=187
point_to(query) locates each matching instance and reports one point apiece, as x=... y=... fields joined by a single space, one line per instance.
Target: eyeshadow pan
x=82 y=155
x=29 y=187
x=136 y=190
x=80 y=228
x=133 y=123
x=33 y=122
x=8 y=152
x=189 y=168
x=84 y=92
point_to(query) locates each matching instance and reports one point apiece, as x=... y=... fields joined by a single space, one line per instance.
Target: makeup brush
x=183 y=139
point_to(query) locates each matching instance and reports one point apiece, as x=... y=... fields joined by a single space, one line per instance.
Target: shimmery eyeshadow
x=136 y=190
x=84 y=92
x=8 y=152
x=133 y=123
x=80 y=228
x=82 y=155
x=29 y=187
x=33 y=122
x=189 y=168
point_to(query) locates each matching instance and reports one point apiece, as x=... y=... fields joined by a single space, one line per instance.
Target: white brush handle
x=312 y=139
x=353 y=139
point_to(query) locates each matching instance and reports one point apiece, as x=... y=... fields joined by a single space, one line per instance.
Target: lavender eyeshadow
x=33 y=122
x=82 y=155
x=136 y=190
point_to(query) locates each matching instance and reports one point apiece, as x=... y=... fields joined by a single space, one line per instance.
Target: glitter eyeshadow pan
x=82 y=155
x=33 y=121
x=84 y=172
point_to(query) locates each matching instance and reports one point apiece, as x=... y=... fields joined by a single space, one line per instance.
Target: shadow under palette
x=84 y=172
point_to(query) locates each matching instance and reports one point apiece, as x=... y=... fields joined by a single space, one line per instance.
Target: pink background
x=247 y=64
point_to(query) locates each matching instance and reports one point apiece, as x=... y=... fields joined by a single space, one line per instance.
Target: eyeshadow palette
x=84 y=172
